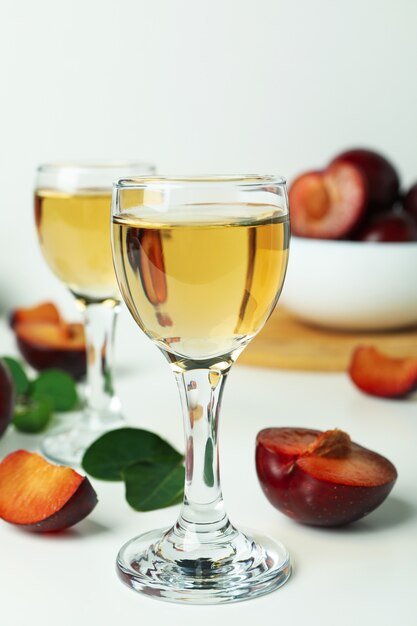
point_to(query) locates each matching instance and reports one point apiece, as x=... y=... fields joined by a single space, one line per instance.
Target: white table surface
x=364 y=574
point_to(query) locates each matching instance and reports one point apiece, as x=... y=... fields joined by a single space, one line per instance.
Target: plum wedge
x=42 y=497
x=378 y=374
x=321 y=478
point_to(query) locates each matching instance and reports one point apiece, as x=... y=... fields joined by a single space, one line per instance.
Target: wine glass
x=200 y=264
x=72 y=213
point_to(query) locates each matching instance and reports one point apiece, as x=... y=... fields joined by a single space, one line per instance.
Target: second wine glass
x=72 y=213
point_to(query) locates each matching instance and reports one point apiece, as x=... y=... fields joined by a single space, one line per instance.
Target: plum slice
x=327 y=204
x=380 y=375
x=321 y=478
x=42 y=497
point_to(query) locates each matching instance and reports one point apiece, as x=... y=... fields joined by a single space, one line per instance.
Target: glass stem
x=202 y=512
x=101 y=404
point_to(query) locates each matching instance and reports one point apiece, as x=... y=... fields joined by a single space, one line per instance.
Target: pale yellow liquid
x=201 y=288
x=74 y=234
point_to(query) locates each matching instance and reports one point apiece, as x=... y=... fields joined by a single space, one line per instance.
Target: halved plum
x=327 y=204
x=321 y=478
x=53 y=346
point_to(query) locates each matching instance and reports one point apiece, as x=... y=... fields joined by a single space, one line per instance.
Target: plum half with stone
x=321 y=478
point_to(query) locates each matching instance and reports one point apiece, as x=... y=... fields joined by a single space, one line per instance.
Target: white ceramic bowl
x=352 y=285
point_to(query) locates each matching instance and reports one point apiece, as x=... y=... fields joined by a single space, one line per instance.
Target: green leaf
x=151 y=486
x=109 y=455
x=21 y=381
x=34 y=416
x=208 y=463
x=58 y=386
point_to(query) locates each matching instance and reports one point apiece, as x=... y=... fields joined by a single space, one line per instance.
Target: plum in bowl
x=354 y=245
x=352 y=285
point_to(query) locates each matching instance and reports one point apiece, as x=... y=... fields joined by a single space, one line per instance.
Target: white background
x=219 y=86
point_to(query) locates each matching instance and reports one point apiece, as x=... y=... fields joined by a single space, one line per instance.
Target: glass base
x=67 y=447
x=237 y=567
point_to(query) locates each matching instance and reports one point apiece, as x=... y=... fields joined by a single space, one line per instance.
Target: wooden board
x=288 y=343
